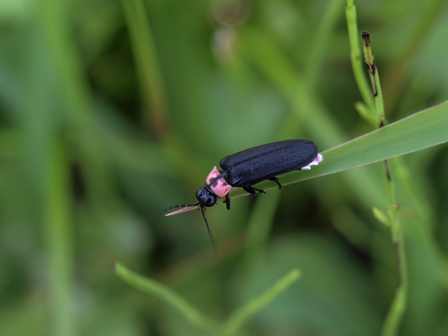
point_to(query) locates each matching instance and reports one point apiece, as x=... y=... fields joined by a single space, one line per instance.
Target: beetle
x=252 y=166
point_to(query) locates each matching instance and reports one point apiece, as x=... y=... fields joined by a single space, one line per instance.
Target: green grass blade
x=241 y=315
x=57 y=229
x=419 y=131
x=147 y=63
x=318 y=51
x=166 y=294
x=80 y=119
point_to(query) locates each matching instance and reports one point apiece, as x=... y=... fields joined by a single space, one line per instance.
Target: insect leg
x=259 y=190
x=276 y=180
x=227 y=201
x=253 y=191
x=250 y=190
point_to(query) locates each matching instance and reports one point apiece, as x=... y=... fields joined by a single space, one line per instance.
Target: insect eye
x=205 y=198
x=210 y=201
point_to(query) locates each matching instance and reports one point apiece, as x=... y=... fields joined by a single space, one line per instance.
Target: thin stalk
x=375 y=78
x=396 y=311
x=379 y=102
x=355 y=55
x=398 y=306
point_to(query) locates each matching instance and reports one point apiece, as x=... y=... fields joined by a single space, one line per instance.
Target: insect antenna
x=182 y=208
x=208 y=229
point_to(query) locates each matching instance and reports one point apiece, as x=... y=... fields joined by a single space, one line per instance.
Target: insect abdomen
x=257 y=164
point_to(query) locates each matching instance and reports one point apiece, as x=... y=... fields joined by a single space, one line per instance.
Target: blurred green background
x=111 y=111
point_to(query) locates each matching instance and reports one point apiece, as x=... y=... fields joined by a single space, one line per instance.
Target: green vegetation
x=113 y=110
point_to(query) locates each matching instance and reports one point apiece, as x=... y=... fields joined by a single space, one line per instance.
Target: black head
x=205 y=198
